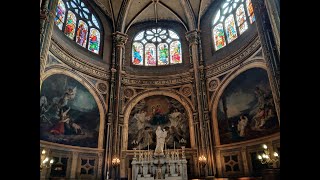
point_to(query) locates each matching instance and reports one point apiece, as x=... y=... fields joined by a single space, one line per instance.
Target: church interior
x=160 y=89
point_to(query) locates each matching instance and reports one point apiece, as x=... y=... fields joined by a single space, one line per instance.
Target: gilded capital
x=119 y=38
x=193 y=37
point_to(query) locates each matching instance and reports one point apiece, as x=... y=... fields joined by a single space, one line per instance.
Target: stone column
x=120 y=40
x=74 y=163
x=269 y=49
x=47 y=14
x=245 y=161
x=197 y=65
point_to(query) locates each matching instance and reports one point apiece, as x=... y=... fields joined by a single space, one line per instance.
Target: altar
x=169 y=165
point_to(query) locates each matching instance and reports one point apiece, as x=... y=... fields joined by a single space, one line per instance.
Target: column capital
x=119 y=38
x=193 y=37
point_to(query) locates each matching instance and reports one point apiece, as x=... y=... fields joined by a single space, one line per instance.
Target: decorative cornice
x=233 y=60
x=134 y=80
x=77 y=63
x=120 y=39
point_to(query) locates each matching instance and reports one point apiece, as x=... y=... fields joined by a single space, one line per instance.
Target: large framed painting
x=68 y=112
x=246 y=108
x=154 y=111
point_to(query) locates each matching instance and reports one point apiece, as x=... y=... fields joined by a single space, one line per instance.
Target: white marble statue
x=161 y=136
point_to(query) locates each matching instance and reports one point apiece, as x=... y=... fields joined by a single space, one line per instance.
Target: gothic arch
x=97 y=97
x=180 y=98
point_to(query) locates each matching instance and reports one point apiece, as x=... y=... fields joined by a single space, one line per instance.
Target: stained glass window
x=230 y=27
x=241 y=19
x=218 y=36
x=80 y=24
x=250 y=11
x=150 y=54
x=94 y=40
x=137 y=53
x=82 y=33
x=70 y=25
x=230 y=21
x=155 y=47
x=175 y=52
x=60 y=14
x=163 y=54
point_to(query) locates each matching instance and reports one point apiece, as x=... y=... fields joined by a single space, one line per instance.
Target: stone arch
x=221 y=89
x=131 y=104
x=97 y=97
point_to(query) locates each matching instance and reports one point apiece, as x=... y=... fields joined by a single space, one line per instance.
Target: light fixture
x=45 y=161
x=115 y=161
x=202 y=160
x=265 y=157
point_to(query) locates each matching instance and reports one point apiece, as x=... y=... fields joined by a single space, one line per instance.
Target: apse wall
x=73 y=105
x=157 y=70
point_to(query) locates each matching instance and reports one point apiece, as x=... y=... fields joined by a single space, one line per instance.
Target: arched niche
x=243 y=107
x=63 y=90
x=182 y=104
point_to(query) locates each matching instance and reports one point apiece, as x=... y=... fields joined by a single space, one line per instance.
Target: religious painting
x=68 y=113
x=246 y=108
x=155 y=111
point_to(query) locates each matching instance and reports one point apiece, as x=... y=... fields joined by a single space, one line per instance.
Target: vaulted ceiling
x=125 y=13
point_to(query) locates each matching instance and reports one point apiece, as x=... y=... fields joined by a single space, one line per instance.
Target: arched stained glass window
x=80 y=24
x=163 y=54
x=137 y=53
x=250 y=11
x=230 y=21
x=241 y=19
x=150 y=54
x=218 y=36
x=60 y=14
x=94 y=40
x=156 y=47
x=70 y=25
x=82 y=33
x=175 y=52
x=230 y=28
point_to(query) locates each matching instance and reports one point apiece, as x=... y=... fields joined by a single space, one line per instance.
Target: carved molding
x=102 y=87
x=213 y=83
x=233 y=60
x=129 y=92
x=76 y=63
x=152 y=81
x=186 y=90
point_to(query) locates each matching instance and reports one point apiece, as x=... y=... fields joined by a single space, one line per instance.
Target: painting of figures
x=155 y=111
x=68 y=112
x=246 y=108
